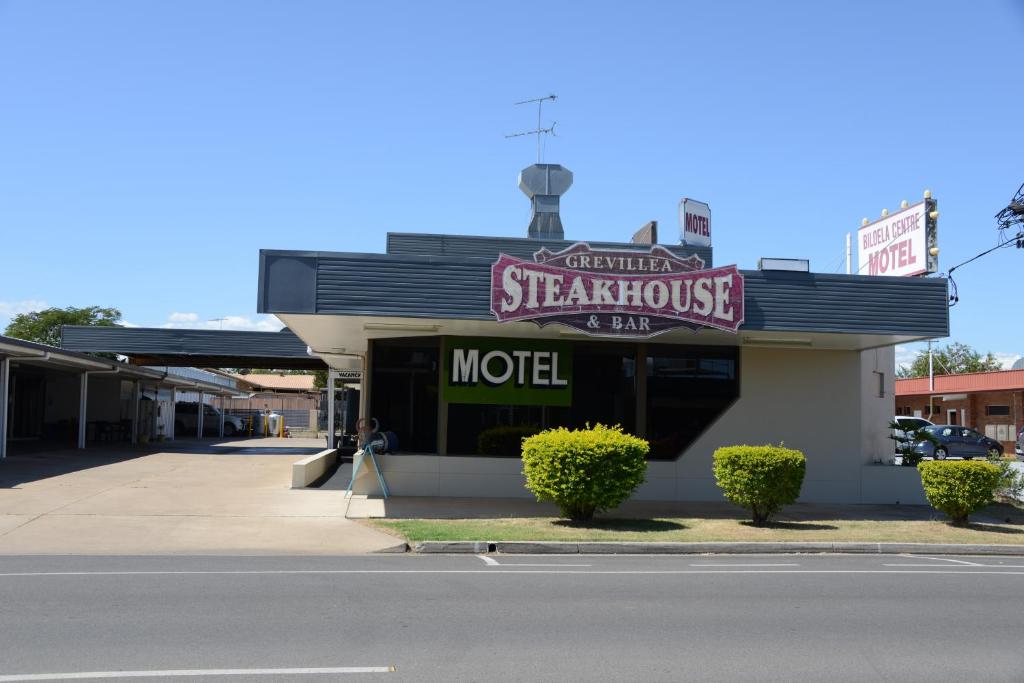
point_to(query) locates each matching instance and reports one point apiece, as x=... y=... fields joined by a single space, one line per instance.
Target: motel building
x=989 y=402
x=461 y=344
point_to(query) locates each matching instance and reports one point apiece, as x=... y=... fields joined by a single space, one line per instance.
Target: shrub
x=959 y=488
x=504 y=440
x=584 y=471
x=1011 y=480
x=760 y=478
x=907 y=440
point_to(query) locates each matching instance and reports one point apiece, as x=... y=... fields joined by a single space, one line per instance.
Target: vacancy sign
x=895 y=245
x=695 y=223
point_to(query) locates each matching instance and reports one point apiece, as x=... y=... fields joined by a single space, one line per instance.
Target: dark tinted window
x=603 y=390
x=688 y=388
x=403 y=395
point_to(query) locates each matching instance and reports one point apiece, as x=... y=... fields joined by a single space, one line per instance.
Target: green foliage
x=906 y=439
x=44 y=326
x=954 y=359
x=1011 y=481
x=760 y=478
x=958 y=488
x=584 y=471
x=504 y=440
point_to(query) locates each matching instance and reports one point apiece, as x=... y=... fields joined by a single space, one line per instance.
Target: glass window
x=403 y=393
x=688 y=388
x=997 y=410
x=603 y=390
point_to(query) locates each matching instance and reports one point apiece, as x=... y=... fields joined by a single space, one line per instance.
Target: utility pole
x=931 y=383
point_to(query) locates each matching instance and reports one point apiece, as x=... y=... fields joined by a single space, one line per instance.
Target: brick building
x=991 y=402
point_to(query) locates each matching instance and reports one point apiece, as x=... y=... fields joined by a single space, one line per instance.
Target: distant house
x=991 y=402
x=278 y=383
x=294 y=396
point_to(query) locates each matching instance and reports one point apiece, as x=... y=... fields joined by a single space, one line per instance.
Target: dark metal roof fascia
x=159 y=340
x=483 y=246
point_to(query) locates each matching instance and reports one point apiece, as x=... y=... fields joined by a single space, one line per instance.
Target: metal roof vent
x=796 y=265
x=544 y=184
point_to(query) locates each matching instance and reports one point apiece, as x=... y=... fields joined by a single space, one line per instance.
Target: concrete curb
x=626 y=548
x=400 y=548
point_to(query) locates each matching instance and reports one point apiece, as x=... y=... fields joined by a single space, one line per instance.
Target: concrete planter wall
x=889 y=484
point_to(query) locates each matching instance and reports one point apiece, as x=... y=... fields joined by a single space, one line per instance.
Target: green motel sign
x=531 y=372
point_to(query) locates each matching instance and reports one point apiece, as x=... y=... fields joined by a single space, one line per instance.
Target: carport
x=52 y=395
x=227 y=349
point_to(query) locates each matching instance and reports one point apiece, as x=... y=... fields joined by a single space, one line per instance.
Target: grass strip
x=985 y=530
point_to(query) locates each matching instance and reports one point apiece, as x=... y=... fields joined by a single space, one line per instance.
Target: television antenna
x=540 y=130
x=218 y=320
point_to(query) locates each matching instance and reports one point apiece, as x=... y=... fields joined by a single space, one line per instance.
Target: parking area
x=196 y=497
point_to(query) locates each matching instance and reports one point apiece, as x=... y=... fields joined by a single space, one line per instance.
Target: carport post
x=5 y=382
x=199 y=417
x=223 y=409
x=135 y=416
x=331 y=381
x=83 y=407
x=174 y=410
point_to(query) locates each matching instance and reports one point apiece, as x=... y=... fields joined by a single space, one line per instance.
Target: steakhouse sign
x=616 y=293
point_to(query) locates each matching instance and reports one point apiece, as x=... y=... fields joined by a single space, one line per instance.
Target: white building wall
x=824 y=403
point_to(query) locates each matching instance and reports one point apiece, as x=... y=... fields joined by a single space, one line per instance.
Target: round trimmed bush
x=959 y=488
x=584 y=471
x=760 y=478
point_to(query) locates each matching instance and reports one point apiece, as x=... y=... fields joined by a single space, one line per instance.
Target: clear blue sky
x=149 y=149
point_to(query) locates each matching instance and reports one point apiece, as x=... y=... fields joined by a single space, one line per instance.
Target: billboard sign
x=617 y=293
x=896 y=244
x=694 y=223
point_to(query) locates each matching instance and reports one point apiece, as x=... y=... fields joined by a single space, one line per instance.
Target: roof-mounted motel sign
x=694 y=223
x=899 y=244
x=616 y=293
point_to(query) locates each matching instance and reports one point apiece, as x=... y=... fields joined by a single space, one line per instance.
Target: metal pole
x=931 y=380
x=135 y=416
x=849 y=254
x=223 y=409
x=539 y=106
x=174 y=413
x=199 y=416
x=331 y=381
x=5 y=383
x=931 y=368
x=83 y=407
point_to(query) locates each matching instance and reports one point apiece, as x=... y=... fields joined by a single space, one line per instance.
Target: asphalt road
x=466 y=618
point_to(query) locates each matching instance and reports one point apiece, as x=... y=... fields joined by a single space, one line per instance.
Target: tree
x=954 y=359
x=44 y=326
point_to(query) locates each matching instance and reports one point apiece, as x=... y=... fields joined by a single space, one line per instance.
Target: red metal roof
x=1001 y=380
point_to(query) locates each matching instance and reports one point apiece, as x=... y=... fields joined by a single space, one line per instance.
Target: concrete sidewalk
x=132 y=502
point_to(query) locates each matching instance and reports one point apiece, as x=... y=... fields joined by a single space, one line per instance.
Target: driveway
x=198 y=497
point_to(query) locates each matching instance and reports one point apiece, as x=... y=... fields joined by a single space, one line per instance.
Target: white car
x=909 y=422
x=185 y=421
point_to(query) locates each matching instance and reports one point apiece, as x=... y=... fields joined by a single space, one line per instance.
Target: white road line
x=491 y=562
x=524 y=564
x=945 y=559
x=980 y=569
x=171 y=673
x=990 y=566
x=764 y=564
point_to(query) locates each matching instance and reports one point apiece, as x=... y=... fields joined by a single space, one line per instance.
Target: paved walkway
x=207 y=497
